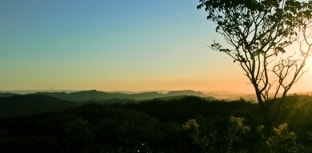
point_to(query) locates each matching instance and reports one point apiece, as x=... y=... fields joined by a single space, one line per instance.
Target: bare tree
x=261 y=37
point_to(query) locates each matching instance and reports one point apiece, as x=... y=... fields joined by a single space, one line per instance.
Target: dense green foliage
x=190 y=125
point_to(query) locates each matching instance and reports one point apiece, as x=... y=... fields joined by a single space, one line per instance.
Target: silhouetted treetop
x=258 y=35
x=229 y=13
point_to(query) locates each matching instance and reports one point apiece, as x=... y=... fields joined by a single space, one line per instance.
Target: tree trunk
x=268 y=125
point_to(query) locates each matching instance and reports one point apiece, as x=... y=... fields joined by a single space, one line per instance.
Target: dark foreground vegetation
x=182 y=125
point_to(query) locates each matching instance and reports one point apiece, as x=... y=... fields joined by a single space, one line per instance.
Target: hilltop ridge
x=95 y=95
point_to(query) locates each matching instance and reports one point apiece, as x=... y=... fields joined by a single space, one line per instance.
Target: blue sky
x=111 y=45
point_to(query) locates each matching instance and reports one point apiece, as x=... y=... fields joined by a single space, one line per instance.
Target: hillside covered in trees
x=186 y=124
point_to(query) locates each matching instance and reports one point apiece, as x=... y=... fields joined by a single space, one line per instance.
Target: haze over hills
x=13 y=104
x=18 y=104
x=94 y=95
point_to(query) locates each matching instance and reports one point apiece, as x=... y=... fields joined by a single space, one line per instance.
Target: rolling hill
x=21 y=105
x=94 y=95
x=13 y=105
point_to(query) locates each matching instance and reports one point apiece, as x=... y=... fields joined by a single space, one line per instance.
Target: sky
x=114 y=45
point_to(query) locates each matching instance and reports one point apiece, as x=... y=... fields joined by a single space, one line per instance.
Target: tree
x=261 y=36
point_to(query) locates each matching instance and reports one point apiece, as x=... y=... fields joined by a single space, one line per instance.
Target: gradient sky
x=114 y=46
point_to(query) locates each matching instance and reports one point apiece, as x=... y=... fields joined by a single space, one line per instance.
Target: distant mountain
x=89 y=95
x=186 y=93
x=21 y=105
x=94 y=95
